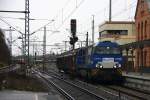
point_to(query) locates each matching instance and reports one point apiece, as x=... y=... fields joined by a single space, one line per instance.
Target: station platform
x=23 y=95
x=139 y=75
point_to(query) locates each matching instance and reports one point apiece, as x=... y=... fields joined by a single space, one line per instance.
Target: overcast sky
x=62 y=11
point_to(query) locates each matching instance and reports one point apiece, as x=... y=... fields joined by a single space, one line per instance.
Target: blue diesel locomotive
x=101 y=62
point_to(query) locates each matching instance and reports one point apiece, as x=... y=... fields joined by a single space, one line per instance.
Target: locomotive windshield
x=107 y=50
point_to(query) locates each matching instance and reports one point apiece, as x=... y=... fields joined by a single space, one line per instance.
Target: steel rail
x=126 y=93
x=8 y=69
x=69 y=97
x=82 y=89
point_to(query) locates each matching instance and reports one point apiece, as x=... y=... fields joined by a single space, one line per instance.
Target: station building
x=122 y=32
x=142 y=22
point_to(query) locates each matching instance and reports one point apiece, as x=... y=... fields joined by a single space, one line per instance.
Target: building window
x=142 y=8
x=142 y=4
x=145 y=30
x=100 y=35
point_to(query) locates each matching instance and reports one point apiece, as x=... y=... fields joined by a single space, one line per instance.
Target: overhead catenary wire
x=96 y=16
x=99 y=12
x=11 y=26
x=72 y=12
x=41 y=27
x=133 y=4
x=55 y=17
x=66 y=18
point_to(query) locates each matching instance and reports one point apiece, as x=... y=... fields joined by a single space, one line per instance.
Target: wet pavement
x=23 y=95
x=137 y=75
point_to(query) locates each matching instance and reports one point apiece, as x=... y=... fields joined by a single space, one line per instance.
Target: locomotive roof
x=104 y=43
x=107 y=44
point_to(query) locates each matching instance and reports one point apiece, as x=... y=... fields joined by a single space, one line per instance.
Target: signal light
x=73 y=40
x=73 y=27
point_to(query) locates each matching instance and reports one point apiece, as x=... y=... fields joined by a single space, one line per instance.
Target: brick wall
x=142 y=21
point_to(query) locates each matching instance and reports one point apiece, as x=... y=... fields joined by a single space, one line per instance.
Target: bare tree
x=4 y=50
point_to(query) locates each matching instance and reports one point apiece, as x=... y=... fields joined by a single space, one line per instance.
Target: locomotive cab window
x=106 y=50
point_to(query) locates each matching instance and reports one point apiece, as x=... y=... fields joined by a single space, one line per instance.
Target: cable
x=124 y=10
x=11 y=26
x=72 y=12
x=102 y=10
x=130 y=7
x=66 y=4
x=51 y=20
x=41 y=28
x=9 y=17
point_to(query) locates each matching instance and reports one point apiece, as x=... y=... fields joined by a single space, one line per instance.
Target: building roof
x=117 y=22
x=117 y=25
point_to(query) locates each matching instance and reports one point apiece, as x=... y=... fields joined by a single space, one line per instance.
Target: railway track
x=85 y=87
x=50 y=84
x=69 y=90
x=8 y=69
x=113 y=92
x=122 y=93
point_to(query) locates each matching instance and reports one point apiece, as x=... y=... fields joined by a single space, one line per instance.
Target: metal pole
x=110 y=9
x=35 y=58
x=27 y=34
x=87 y=48
x=33 y=54
x=86 y=56
x=44 y=48
x=28 y=37
x=93 y=30
x=87 y=36
x=23 y=49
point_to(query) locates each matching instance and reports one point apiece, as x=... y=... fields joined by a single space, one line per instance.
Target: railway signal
x=74 y=38
x=73 y=27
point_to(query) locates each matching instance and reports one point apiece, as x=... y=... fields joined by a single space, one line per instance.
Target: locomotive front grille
x=108 y=64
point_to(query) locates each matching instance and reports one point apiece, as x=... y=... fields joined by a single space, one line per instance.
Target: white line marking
x=36 y=97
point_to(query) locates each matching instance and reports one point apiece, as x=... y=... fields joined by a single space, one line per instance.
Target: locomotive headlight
x=98 y=65
x=115 y=66
x=101 y=66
